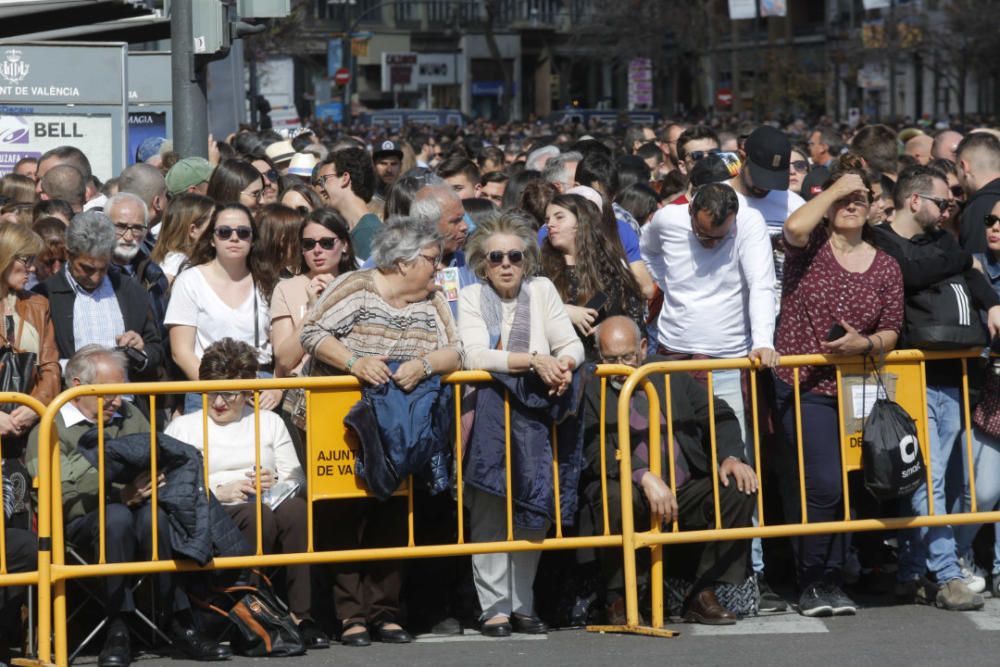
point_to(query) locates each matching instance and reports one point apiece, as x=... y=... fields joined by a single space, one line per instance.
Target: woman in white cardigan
x=511 y=322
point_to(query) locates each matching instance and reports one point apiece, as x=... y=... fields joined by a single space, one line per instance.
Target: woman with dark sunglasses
x=217 y=295
x=326 y=253
x=515 y=323
x=798 y=167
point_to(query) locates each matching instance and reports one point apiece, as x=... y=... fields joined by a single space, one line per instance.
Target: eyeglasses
x=27 y=260
x=942 y=203
x=800 y=166
x=957 y=191
x=225 y=233
x=697 y=156
x=321 y=180
x=991 y=220
x=137 y=231
x=228 y=397
x=256 y=195
x=630 y=359
x=326 y=243
x=497 y=256
x=434 y=260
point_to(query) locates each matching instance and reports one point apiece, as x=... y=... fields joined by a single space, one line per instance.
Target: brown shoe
x=615 y=612
x=705 y=608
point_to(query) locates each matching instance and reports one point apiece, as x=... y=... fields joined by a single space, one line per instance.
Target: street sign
x=342 y=77
x=724 y=97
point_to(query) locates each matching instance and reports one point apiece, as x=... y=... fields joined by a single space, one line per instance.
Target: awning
x=93 y=20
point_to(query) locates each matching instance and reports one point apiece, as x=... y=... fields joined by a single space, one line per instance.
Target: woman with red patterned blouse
x=840 y=296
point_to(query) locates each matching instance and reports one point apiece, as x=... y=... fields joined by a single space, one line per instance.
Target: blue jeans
x=986 y=458
x=933 y=549
x=728 y=387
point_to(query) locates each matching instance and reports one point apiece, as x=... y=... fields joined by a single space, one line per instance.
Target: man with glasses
x=692 y=146
x=130 y=217
x=92 y=305
x=620 y=342
x=128 y=514
x=346 y=178
x=930 y=258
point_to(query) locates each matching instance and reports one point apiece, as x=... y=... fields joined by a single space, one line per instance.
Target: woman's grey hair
x=401 y=239
x=90 y=233
x=83 y=364
x=510 y=223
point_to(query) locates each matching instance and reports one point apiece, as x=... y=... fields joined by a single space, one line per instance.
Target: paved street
x=882 y=636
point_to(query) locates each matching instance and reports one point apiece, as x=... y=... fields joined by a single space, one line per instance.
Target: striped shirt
x=97 y=317
x=352 y=311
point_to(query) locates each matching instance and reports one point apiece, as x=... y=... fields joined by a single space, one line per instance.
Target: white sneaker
x=971 y=576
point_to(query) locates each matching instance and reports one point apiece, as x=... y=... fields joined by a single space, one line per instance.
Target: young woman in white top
x=185 y=219
x=218 y=296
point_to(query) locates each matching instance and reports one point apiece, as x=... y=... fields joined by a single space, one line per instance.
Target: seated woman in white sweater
x=511 y=322
x=232 y=470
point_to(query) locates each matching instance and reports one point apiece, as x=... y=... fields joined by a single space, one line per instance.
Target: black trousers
x=22 y=556
x=128 y=537
x=705 y=563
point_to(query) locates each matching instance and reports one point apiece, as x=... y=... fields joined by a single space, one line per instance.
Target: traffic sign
x=724 y=97
x=342 y=77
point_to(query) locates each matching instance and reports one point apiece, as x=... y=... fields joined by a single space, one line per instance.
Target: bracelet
x=428 y=369
x=531 y=362
x=350 y=362
x=871 y=346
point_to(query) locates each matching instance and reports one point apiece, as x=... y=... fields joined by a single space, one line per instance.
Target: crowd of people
x=401 y=256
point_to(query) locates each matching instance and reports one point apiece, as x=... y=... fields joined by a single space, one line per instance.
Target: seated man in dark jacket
x=128 y=516
x=619 y=341
x=21 y=546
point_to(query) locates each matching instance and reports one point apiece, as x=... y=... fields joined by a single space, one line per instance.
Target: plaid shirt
x=97 y=317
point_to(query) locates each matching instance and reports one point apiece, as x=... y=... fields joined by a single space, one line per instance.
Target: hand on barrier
x=556 y=373
x=138 y=490
x=765 y=356
x=583 y=318
x=7 y=424
x=849 y=344
x=236 y=491
x=408 y=375
x=371 y=370
x=23 y=418
x=267 y=480
x=746 y=479
x=662 y=502
x=270 y=399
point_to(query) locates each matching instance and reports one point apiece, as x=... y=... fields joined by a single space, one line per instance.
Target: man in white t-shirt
x=763 y=186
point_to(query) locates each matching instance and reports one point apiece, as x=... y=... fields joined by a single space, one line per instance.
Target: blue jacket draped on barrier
x=532 y=414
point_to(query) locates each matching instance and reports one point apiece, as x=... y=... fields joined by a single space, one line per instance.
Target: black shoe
x=117 y=651
x=313 y=635
x=839 y=602
x=769 y=600
x=449 y=627
x=814 y=602
x=495 y=629
x=356 y=639
x=193 y=645
x=528 y=625
x=398 y=636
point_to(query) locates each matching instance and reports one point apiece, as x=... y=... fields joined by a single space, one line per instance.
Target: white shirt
x=194 y=303
x=776 y=207
x=716 y=301
x=231 y=446
x=551 y=331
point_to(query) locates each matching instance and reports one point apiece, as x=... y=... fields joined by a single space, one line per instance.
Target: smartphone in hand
x=836 y=331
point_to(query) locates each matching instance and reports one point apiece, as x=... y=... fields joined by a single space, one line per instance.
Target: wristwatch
x=428 y=369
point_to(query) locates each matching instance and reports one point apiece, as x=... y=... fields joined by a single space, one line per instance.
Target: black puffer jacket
x=199 y=526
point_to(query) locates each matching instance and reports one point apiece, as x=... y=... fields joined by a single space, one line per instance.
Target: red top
x=817 y=292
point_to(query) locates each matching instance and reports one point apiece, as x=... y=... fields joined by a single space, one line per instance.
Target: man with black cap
x=388 y=158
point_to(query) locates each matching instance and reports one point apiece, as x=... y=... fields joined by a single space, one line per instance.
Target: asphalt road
x=881 y=636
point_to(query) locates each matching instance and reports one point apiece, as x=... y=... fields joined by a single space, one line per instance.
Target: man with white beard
x=130 y=216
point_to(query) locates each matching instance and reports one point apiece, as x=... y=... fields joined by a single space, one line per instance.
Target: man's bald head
x=147 y=183
x=67 y=183
x=919 y=148
x=945 y=144
x=620 y=340
x=70 y=155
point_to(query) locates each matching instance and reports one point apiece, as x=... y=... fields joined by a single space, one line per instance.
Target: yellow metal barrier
x=330 y=475
x=908 y=369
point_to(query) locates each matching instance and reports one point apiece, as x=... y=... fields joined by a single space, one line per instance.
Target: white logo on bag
x=908 y=449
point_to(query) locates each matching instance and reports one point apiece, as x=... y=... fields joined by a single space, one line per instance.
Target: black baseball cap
x=387 y=147
x=768 y=154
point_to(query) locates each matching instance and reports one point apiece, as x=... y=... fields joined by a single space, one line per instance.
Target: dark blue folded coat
x=199 y=526
x=401 y=434
x=532 y=414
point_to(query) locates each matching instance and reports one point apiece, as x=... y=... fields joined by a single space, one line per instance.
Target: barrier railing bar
x=713 y=465
x=3 y=521
x=458 y=462
x=656 y=468
x=101 y=485
x=756 y=445
x=843 y=436
x=671 y=456
x=927 y=444
x=555 y=481
x=968 y=434
x=258 y=500
x=204 y=441
x=409 y=511
x=310 y=546
x=507 y=466
x=798 y=438
x=602 y=420
x=154 y=478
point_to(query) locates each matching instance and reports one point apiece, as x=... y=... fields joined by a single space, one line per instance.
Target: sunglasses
x=270 y=175
x=225 y=233
x=326 y=243
x=801 y=166
x=957 y=191
x=991 y=220
x=942 y=203
x=697 y=156
x=497 y=256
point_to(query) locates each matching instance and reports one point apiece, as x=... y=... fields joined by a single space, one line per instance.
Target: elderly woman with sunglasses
x=217 y=295
x=511 y=322
x=232 y=471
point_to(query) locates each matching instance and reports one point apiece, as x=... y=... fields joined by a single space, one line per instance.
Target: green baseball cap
x=188 y=172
